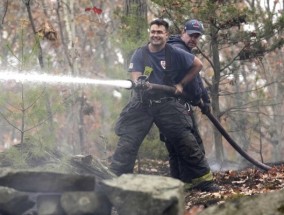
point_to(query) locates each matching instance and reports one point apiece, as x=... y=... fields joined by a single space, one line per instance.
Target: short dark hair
x=160 y=22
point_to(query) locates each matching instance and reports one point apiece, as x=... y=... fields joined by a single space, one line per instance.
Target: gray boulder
x=263 y=204
x=14 y=202
x=77 y=203
x=45 y=181
x=145 y=195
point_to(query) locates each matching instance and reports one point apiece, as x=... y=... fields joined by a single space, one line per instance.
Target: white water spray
x=37 y=78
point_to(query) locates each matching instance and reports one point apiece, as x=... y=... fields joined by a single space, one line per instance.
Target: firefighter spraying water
x=141 y=85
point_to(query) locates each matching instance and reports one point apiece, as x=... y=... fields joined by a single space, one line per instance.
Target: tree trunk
x=276 y=128
x=240 y=119
x=138 y=10
x=76 y=118
x=219 y=151
x=42 y=66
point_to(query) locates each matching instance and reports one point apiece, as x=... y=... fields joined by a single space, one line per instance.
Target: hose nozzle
x=141 y=83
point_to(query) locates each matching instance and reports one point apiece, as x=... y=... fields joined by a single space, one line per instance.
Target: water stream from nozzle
x=34 y=77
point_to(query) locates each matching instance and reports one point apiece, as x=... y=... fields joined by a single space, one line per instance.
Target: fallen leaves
x=234 y=184
x=195 y=210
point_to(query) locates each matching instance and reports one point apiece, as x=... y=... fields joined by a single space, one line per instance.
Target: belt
x=161 y=100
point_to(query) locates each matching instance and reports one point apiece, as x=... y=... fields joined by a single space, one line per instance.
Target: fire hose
x=142 y=84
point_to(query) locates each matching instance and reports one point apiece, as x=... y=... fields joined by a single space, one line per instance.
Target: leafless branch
x=253 y=90
x=202 y=53
x=8 y=121
x=40 y=57
x=5 y=11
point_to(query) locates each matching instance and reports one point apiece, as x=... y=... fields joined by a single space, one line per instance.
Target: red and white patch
x=195 y=24
x=163 y=64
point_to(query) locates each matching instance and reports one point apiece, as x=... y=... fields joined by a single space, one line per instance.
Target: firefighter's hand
x=206 y=108
x=140 y=82
x=179 y=89
x=195 y=102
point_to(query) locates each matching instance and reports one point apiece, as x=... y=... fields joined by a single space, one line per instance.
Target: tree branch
x=5 y=11
x=40 y=57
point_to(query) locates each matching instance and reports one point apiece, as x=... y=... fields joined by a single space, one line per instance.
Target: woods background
x=242 y=52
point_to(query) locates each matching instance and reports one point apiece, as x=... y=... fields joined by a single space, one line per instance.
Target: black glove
x=141 y=81
x=206 y=108
x=195 y=102
x=140 y=84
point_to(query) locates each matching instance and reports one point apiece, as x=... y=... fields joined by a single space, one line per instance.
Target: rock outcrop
x=266 y=204
x=89 y=189
x=145 y=195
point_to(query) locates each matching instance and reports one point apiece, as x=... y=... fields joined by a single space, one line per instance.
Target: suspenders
x=148 y=68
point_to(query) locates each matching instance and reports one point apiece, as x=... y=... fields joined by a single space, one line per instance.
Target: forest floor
x=233 y=183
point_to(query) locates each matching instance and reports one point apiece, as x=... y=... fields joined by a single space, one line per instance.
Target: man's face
x=158 y=35
x=191 y=40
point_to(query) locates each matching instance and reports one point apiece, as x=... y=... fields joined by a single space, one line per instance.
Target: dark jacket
x=195 y=89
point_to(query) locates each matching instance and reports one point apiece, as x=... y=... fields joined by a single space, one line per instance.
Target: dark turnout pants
x=173 y=155
x=170 y=117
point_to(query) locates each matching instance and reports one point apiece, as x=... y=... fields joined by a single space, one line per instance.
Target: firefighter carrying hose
x=171 y=66
x=195 y=91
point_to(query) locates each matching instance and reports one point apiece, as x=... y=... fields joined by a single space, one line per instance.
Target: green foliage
x=117 y=72
x=110 y=108
x=280 y=22
x=39 y=150
x=24 y=105
x=132 y=32
x=33 y=109
x=27 y=57
x=16 y=158
x=152 y=147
